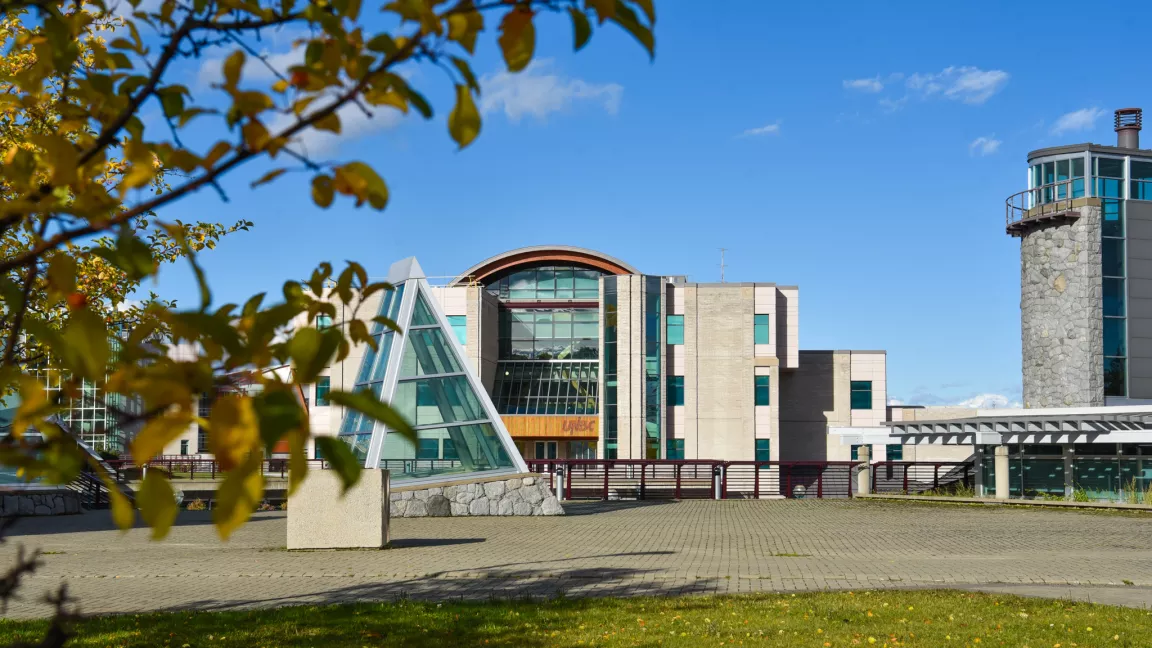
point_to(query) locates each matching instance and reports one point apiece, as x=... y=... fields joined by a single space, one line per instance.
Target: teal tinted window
x=433 y=401
x=323 y=322
x=760 y=328
x=763 y=450
x=1114 y=297
x=1115 y=377
x=459 y=324
x=548 y=282
x=323 y=384
x=1112 y=257
x=675 y=390
x=428 y=449
x=1141 y=188
x=549 y=334
x=422 y=316
x=1115 y=342
x=856 y=453
x=895 y=452
x=1109 y=167
x=428 y=352
x=861 y=394
x=675 y=448
x=763 y=393
x=675 y=329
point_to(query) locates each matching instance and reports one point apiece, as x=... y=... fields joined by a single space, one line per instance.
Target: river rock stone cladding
x=518 y=496
x=1061 y=302
x=52 y=502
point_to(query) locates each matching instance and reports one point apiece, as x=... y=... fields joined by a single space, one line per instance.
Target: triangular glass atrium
x=424 y=374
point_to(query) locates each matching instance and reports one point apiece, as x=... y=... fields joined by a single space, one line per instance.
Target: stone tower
x=1085 y=229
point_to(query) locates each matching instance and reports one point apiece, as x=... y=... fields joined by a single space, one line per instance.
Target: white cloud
x=538 y=91
x=768 y=129
x=865 y=85
x=354 y=125
x=1078 y=120
x=984 y=146
x=989 y=401
x=964 y=83
x=254 y=68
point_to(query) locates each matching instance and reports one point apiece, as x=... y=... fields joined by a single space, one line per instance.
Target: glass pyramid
x=424 y=375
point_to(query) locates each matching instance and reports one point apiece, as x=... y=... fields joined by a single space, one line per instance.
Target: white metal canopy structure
x=423 y=373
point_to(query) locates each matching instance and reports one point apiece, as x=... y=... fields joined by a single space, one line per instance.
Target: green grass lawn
x=889 y=618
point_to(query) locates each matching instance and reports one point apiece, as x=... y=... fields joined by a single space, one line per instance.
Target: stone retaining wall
x=517 y=496
x=61 y=501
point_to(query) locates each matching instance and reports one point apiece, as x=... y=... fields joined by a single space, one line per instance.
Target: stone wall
x=515 y=496
x=1061 y=316
x=61 y=501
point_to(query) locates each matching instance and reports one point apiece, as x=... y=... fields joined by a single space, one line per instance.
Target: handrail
x=1057 y=194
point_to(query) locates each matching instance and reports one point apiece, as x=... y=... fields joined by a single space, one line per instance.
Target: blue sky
x=861 y=152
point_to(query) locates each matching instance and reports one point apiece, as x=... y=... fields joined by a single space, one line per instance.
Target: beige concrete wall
x=870 y=366
x=788 y=329
x=766 y=295
x=723 y=350
x=320 y=517
x=813 y=397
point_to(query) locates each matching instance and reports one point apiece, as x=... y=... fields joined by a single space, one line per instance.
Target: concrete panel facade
x=321 y=516
x=1138 y=215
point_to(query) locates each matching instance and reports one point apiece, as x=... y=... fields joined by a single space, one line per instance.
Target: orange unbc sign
x=550 y=426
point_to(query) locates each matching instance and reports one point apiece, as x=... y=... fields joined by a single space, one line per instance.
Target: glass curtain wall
x=547 y=387
x=548 y=282
x=611 y=426
x=549 y=333
x=653 y=287
x=356 y=429
x=1109 y=187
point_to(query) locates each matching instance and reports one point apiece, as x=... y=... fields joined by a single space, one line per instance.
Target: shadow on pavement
x=101 y=520
x=409 y=543
x=597 y=507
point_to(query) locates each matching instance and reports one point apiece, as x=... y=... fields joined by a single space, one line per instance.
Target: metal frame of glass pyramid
x=424 y=374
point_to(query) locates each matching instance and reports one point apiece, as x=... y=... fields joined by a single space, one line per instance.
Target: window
x=323 y=322
x=204 y=411
x=760 y=327
x=763 y=450
x=549 y=282
x=459 y=324
x=675 y=329
x=675 y=449
x=675 y=390
x=323 y=384
x=428 y=449
x=317 y=453
x=546 y=387
x=183 y=447
x=894 y=452
x=856 y=452
x=545 y=449
x=763 y=393
x=549 y=334
x=861 y=394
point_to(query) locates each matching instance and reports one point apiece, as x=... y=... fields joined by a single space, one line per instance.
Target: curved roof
x=544 y=253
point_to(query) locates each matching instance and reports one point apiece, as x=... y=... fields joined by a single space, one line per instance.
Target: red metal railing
x=697 y=479
x=917 y=477
x=194 y=468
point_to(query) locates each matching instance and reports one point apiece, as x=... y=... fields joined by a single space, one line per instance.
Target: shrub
x=197 y=505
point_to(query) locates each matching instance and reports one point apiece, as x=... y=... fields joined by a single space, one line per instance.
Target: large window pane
x=1109 y=167
x=763 y=394
x=675 y=390
x=1115 y=377
x=459 y=324
x=1112 y=257
x=675 y=326
x=437 y=400
x=1114 y=297
x=861 y=394
x=761 y=329
x=1115 y=343
x=1113 y=224
x=428 y=352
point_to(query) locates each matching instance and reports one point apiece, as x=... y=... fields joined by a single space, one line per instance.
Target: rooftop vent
x=1128 y=127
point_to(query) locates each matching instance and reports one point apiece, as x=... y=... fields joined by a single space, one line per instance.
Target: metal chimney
x=1128 y=127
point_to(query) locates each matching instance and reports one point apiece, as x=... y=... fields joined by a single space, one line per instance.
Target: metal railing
x=194 y=468
x=654 y=479
x=92 y=491
x=1054 y=198
x=922 y=477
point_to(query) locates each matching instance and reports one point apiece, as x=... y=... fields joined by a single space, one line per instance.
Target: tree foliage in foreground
x=96 y=142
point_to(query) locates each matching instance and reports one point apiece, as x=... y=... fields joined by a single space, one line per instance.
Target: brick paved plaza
x=598 y=549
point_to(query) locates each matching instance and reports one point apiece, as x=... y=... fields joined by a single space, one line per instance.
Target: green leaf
x=418 y=100
x=367 y=404
x=232 y=66
x=157 y=503
x=648 y=8
x=322 y=191
x=239 y=494
x=382 y=43
x=464 y=120
x=330 y=122
x=131 y=255
x=268 y=177
x=517 y=38
x=85 y=341
x=122 y=513
x=312 y=351
x=581 y=28
x=61 y=277
x=279 y=412
x=340 y=457
x=372 y=185
x=627 y=19
x=387 y=323
x=464 y=25
x=466 y=72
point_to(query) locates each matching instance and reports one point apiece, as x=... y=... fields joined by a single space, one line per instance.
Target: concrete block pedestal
x=320 y=518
